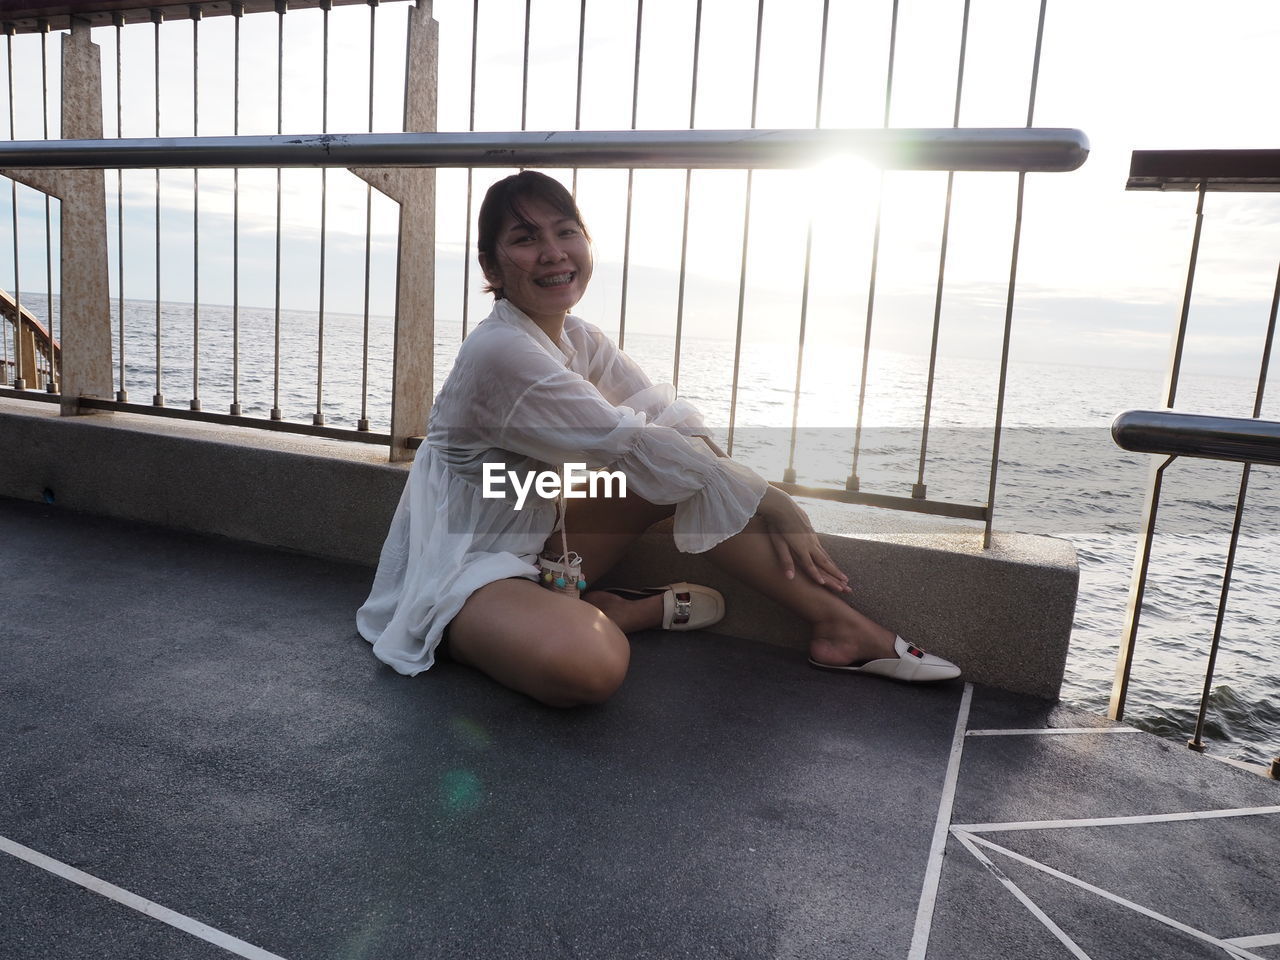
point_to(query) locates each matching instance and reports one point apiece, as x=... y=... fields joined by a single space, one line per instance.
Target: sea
x=1059 y=474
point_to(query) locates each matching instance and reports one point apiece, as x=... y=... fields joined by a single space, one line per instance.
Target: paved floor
x=201 y=759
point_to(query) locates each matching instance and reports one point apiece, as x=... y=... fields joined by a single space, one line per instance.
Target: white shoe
x=685 y=606
x=911 y=665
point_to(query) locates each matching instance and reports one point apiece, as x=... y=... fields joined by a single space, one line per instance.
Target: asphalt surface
x=195 y=722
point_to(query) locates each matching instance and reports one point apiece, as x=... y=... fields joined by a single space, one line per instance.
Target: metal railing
x=208 y=98
x=416 y=153
x=1174 y=434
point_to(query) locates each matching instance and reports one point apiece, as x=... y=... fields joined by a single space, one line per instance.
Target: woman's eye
x=569 y=232
x=523 y=239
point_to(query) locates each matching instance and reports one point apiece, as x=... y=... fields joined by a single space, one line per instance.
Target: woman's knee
x=589 y=663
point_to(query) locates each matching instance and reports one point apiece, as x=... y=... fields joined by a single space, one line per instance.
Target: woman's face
x=542 y=263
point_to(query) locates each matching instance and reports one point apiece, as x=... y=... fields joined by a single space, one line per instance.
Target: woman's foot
x=909 y=664
x=629 y=616
x=845 y=642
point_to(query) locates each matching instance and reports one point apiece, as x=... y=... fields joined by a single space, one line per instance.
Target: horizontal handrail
x=1240 y=439
x=1233 y=171
x=37 y=16
x=985 y=149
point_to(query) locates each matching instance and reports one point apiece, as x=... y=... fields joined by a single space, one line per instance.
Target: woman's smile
x=556 y=280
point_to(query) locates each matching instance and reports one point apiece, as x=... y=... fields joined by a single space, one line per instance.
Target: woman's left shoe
x=911 y=665
x=685 y=606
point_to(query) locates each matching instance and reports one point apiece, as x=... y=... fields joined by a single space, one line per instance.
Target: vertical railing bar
x=1137 y=589
x=51 y=386
x=853 y=482
x=789 y=474
x=688 y=184
x=577 y=96
x=363 y=423
x=122 y=394
x=631 y=178
x=195 y=12
x=317 y=418
x=524 y=81
x=1013 y=277
x=1142 y=561
x=157 y=399
x=919 y=491
x=1265 y=365
x=282 y=7
x=4 y=371
x=13 y=187
x=237 y=12
x=4 y=323
x=471 y=125
x=1180 y=338
x=746 y=235
x=1197 y=741
x=19 y=382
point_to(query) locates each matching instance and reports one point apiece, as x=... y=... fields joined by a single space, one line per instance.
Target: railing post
x=86 y=290
x=414 y=190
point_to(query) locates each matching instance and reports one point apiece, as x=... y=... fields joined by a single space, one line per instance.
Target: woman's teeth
x=559 y=280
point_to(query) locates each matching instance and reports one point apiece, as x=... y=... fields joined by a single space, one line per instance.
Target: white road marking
x=1231 y=947
x=1057 y=931
x=1264 y=940
x=135 y=902
x=1115 y=821
x=933 y=871
x=1050 y=731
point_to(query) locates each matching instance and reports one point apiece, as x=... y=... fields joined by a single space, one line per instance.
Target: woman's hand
x=796 y=544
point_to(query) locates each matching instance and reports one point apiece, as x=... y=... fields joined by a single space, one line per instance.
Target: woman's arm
x=715 y=447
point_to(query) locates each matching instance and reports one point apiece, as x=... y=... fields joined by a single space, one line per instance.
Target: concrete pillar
x=86 y=289
x=414 y=190
x=27 y=372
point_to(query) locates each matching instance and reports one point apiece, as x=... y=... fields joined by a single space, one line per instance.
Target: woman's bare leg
x=563 y=652
x=601 y=530
x=558 y=650
x=840 y=633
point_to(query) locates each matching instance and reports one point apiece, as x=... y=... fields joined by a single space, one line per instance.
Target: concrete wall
x=1003 y=614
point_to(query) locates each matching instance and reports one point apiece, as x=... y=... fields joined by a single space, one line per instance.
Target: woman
x=534 y=388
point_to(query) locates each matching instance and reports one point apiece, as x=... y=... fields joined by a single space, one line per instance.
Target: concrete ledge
x=326 y=498
x=1003 y=614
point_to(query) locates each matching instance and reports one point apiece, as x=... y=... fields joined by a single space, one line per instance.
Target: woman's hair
x=506 y=198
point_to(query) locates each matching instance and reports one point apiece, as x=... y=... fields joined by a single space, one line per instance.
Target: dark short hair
x=506 y=198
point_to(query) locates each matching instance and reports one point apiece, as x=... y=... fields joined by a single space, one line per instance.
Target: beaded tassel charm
x=563 y=574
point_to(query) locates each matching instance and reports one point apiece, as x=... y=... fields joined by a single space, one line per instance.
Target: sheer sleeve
x=622 y=382
x=537 y=408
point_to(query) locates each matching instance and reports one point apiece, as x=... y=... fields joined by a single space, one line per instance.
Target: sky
x=1101 y=270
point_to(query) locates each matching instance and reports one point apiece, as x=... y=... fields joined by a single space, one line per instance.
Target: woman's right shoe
x=911 y=665
x=685 y=606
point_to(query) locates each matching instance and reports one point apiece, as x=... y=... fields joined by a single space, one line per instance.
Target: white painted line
x=1051 y=731
x=135 y=902
x=1264 y=940
x=1026 y=901
x=1233 y=948
x=1115 y=821
x=937 y=849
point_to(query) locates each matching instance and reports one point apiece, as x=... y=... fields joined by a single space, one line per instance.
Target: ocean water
x=1059 y=475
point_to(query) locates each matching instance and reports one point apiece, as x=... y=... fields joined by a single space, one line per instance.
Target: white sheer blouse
x=517 y=399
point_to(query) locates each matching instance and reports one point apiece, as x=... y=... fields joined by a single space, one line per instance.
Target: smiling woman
x=534 y=389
